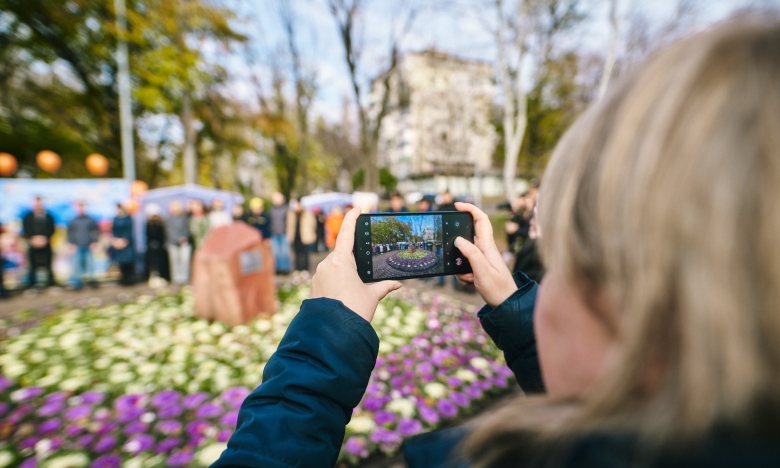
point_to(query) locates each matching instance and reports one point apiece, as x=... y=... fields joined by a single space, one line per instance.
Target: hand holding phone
x=337 y=277
x=491 y=276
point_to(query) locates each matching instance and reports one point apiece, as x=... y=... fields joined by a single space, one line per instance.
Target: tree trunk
x=189 y=162
x=609 y=62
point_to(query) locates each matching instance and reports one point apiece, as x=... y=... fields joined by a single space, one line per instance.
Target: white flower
x=71 y=460
x=69 y=340
x=6 y=458
x=14 y=370
x=480 y=363
x=465 y=375
x=147 y=418
x=435 y=390
x=361 y=425
x=42 y=447
x=72 y=384
x=210 y=453
x=403 y=406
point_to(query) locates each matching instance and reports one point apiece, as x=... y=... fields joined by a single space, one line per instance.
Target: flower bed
x=147 y=384
x=417 y=261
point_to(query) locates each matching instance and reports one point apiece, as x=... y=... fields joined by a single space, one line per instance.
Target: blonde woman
x=657 y=323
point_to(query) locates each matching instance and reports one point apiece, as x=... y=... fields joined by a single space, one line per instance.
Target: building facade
x=438 y=117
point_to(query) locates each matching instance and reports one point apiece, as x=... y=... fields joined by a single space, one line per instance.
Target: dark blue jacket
x=122 y=228
x=319 y=373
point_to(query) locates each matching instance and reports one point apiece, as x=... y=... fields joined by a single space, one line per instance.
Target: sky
x=461 y=28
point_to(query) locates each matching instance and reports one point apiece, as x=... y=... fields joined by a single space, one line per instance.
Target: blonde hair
x=663 y=197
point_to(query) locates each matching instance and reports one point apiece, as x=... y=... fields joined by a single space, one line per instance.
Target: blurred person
x=218 y=216
x=238 y=212
x=281 y=245
x=301 y=233
x=155 y=242
x=519 y=223
x=38 y=229
x=198 y=223
x=446 y=201
x=177 y=243
x=83 y=234
x=333 y=225
x=122 y=245
x=259 y=219
x=397 y=204
x=527 y=259
x=320 y=245
x=424 y=206
x=656 y=326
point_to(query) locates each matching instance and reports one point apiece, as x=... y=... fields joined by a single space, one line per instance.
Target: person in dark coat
x=122 y=245
x=655 y=331
x=83 y=234
x=156 y=254
x=259 y=219
x=38 y=229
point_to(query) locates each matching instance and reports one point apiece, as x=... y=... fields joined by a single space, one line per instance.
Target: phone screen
x=411 y=245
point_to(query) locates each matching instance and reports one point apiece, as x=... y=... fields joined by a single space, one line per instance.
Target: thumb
x=383 y=288
x=479 y=263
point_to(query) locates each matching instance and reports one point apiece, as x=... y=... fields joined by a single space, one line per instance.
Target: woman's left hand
x=337 y=277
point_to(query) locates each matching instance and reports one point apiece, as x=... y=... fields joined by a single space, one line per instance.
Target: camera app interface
x=406 y=246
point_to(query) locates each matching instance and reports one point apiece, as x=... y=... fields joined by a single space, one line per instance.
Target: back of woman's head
x=664 y=198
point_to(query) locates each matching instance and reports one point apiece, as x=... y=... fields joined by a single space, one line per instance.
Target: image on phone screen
x=414 y=245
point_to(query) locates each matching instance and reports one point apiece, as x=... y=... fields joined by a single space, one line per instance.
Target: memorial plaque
x=233 y=276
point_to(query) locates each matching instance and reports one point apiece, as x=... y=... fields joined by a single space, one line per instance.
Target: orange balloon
x=7 y=164
x=131 y=205
x=49 y=161
x=138 y=188
x=97 y=164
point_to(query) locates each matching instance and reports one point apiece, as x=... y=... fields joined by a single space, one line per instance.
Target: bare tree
x=347 y=13
x=609 y=62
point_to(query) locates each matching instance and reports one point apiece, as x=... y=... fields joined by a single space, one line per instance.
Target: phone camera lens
x=457 y=224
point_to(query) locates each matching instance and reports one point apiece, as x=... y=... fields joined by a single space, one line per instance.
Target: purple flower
x=101 y=414
x=29 y=442
x=73 y=430
x=49 y=426
x=230 y=419
x=356 y=446
x=447 y=408
x=409 y=427
x=56 y=397
x=5 y=382
x=196 y=428
x=428 y=414
x=86 y=440
x=385 y=436
x=105 y=443
x=135 y=427
x=127 y=403
x=92 y=398
x=179 y=459
x=165 y=398
x=453 y=381
x=460 y=399
x=383 y=417
x=224 y=435
x=372 y=403
x=195 y=441
x=235 y=396
x=169 y=427
x=139 y=443
x=3 y=408
x=167 y=445
x=105 y=428
x=50 y=409
x=77 y=412
x=29 y=463
x=25 y=394
x=107 y=461
x=56 y=443
x=194 y=400
x=130 y=414
x=498 y=381
x=396 y=381
x=170 y=411
x=473 y=392
x=209 y=410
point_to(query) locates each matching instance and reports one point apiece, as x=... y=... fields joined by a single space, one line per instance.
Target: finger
x=383 y=288
x=477 y=259
x=346 y=238
x=482 y=226
x=466 y=278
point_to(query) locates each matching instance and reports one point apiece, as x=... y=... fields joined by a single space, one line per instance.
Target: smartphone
x=411 y=245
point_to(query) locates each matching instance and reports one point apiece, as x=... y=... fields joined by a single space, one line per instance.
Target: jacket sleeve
x=510 y=325
x=297 y=416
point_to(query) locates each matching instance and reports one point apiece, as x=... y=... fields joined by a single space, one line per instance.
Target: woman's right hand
x=491 y=276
